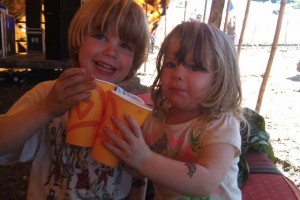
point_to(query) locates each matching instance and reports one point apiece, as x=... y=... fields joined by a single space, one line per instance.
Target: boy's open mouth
x=105 y=68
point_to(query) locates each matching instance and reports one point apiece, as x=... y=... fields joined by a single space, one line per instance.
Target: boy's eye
x=127 y=46
x=101 y=37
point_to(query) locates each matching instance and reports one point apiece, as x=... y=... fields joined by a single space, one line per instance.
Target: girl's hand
x=72 y=86
x=132 y=150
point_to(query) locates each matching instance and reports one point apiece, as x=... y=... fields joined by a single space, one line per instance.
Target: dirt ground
x=280 y=108
x=281 y=102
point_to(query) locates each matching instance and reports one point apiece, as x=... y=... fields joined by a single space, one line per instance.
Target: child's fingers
x=115 y=138
x=74 y=84
x=120 y=144
x=73 y=76
x=121 y=148
x=135 y=127
x=113 y=149
x=77 y=91
x=73 y=99
x=128 y=131
x=71 y=72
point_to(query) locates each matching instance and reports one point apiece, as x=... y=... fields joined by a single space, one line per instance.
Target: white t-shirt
x=60 y=170
x=182 y=142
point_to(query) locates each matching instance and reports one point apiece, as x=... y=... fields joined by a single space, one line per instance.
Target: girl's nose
x=179 y=72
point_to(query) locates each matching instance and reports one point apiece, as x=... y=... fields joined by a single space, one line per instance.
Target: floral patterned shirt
x=182 y=142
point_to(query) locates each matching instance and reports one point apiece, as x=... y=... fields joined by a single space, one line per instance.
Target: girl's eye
x=196 y=68
x=169 y=65
x=101 y=37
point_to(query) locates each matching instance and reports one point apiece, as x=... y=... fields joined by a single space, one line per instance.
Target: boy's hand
x=132 y=150
x=72 y=86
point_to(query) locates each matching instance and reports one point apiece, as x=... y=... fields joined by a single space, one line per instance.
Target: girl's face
x=184 y=86
x=106 y=56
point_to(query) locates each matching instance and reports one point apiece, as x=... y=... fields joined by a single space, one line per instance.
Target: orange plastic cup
x=118 y=106
x=85 y=117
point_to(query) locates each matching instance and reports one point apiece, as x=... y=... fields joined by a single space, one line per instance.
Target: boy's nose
x=110 y=50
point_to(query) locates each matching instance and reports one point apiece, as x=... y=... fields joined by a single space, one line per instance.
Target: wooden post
x=166 y=19
x=243 y=29
x=205 y=8
x=145 y=63
x=271 y=58
x=226 y=16
x=184 y=15
x=216 y=12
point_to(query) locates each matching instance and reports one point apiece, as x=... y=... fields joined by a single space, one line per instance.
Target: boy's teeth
x=105 y=68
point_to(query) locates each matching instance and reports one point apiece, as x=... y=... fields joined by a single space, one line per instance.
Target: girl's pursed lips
x=177 y=89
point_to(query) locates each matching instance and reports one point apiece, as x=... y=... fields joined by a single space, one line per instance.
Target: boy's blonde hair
x=213 y=50
x=95 y=17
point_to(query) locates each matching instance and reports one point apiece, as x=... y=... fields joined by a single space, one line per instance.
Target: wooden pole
x=272 y=54
x=205 y=8
x=185 y=5
x=166 y=19
x=145 y=63
x=226 y=16
x=216 y=12
x=243 y=29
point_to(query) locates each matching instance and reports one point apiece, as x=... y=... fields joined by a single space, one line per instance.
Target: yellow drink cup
x=85 y=118
x=118 y=106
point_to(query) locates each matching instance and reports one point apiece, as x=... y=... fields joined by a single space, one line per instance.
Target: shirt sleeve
x=27 y=151
x=225 y=129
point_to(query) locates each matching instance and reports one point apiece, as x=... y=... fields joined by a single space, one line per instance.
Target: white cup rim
x=132 y=100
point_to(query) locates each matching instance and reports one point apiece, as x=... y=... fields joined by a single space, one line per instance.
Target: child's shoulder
x=227 y=119
x=40 y=90
x=43 y=87
x=33 y=95
x=46 y=84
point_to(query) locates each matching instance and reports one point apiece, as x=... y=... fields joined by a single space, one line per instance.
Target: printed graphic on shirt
x=160 y=144
x=72 y=169
x=194 y=140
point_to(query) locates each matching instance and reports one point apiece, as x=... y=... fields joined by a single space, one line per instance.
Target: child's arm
x=138 y=189
x=195 y=179
x=71 y=87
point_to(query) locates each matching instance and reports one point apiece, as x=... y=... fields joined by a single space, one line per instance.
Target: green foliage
x=296 y=5
x=254 y=138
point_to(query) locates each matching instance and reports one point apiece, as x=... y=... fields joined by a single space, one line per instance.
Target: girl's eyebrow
x=189 y=65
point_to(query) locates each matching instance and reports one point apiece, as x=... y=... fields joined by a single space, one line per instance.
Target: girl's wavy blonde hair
x=96 y=16
x=212 y=49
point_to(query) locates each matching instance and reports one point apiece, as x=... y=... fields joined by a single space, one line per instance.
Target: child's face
x=106 y=56
x=184 y=86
